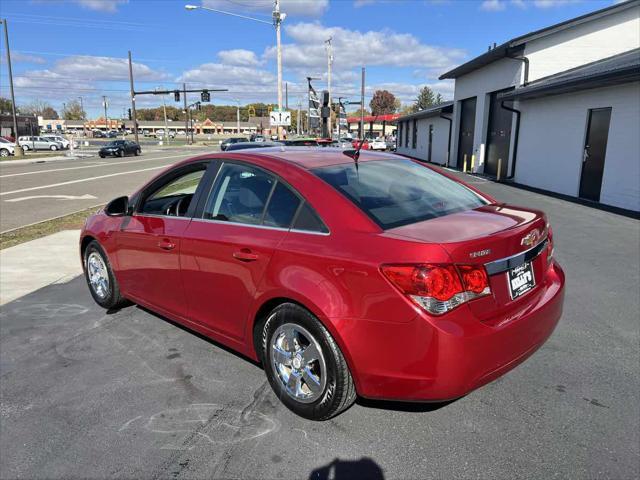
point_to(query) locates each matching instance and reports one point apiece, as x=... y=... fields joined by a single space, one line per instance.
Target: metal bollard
x=464 y=164
x=473 y=162
x=499 y=169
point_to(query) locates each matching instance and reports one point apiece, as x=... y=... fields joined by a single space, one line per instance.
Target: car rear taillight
x=439 y=288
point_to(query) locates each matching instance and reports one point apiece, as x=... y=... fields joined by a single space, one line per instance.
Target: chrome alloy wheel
x=298 y=362
x=98 y=274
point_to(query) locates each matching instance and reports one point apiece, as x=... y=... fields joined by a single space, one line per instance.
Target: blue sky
x=65 y=49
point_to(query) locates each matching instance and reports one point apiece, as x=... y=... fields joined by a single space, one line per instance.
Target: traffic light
x=198 y=106
x=129 y=112
x=205 y=96
x=176 y=95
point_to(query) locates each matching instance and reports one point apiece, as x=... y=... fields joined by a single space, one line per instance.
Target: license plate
x=521 y=280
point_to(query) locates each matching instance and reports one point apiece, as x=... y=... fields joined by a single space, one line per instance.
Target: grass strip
x=73 y=221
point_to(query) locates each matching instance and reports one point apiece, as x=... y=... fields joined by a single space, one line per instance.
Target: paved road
x=130 y=395
x=38 y=191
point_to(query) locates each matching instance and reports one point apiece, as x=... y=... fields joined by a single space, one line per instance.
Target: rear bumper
x=447 y=357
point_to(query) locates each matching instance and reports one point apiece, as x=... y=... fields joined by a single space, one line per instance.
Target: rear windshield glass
x=399 y=192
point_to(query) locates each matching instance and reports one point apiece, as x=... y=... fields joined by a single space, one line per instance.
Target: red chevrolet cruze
x=378 y=276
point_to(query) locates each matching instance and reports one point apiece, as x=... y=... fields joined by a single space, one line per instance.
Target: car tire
x=322 y=387
x=25 y=147
x=4 y=152
x=101 y=155
x=137 y=152
x=53 y=148
x=100 y=279
x=121 y=153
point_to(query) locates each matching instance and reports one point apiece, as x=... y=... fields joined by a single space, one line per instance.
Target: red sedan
x=380 y=277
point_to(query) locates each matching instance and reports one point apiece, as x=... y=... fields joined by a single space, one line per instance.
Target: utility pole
x=186 y=114
x=104 y=104
x=18 y=150
x=286 y=95
x=329 y=62
x=361 y=133
x=299 y=119
x=166 y=125
x=238 y=116
x=84 y=118
x=133 y=100
x=277 y=20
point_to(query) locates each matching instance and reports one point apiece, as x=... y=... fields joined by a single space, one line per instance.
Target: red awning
x=392 y=117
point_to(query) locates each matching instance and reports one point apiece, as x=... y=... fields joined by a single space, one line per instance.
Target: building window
x=414 y=135
x=406 y=135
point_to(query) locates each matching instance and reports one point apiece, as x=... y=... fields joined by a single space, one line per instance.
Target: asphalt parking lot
x=93 y=394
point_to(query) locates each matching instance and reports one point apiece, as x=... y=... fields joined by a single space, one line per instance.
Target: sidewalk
x=33 y=265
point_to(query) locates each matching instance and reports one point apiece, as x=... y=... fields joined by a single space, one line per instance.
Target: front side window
x=399 y=192
x=174 y=197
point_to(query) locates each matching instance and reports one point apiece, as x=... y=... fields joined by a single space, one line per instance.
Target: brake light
x=439 y=288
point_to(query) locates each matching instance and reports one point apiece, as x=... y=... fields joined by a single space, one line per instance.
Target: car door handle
x=166 y=245
x=245 y=255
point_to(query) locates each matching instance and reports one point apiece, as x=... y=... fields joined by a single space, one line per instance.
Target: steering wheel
x=171 y=209
x=182 y=206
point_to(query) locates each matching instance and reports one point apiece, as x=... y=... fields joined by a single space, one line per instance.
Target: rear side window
x=240 y=195
x=308 y=220
x=399 y=192
x=282 y=207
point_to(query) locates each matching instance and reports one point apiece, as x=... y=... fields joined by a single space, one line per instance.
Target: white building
x=426 y=134
x=558 y=109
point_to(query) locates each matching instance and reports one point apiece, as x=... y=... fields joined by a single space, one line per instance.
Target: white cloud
x=352 y=48
x=84 y=71
x=306 y=8
x=240 y=57
x=499 y=5
x=227 y=75
x=26 y=58
x=109 y=6
x=493 y=5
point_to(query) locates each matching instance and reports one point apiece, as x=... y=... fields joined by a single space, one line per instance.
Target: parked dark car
x=246 y=145
x=120 y=148
x=224 y=144
x=301 y=142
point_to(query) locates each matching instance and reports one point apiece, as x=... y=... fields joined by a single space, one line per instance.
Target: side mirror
x=118 y=207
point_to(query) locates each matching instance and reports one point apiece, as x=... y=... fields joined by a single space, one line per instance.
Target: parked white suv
x=38 y=143
x=7 y=148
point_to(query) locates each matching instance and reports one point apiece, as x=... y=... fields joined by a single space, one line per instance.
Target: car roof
x=305 y=157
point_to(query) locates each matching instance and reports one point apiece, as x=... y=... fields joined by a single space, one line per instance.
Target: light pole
x=18 y=149
x=278 y=18
x=329 y=62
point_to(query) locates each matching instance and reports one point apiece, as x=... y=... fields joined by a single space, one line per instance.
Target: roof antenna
x=355 y=154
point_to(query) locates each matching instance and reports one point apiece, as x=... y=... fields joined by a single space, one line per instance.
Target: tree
x=5 y=106
x=41 y=108
x=358 y=113
x=426 y=98
x=73 y=111
x=383 y=102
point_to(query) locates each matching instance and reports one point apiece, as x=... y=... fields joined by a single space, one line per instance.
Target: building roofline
x=621 y=68
x=507 y=48
x=445 y=107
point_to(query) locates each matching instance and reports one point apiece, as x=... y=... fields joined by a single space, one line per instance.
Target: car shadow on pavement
x=364 y=469
x=398 y=406
x=198 y=334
